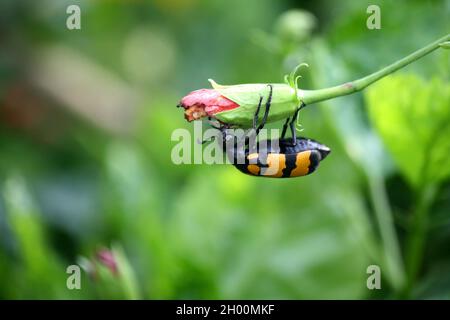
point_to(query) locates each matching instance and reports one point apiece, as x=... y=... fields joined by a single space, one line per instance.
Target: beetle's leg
x=283 y=132
x=255 y=120
x=292 y=126
x=256 y=116
x=221 y=127
x=211 y=139
x=266 y=112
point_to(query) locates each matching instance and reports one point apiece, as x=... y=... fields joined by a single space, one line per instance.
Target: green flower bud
x=295 y=25
x=247 y=96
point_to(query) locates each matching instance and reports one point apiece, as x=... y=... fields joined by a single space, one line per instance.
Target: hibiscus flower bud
x=236 y=104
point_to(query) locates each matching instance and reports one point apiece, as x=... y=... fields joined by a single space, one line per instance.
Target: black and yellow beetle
x=277 y=158
x=280 y=158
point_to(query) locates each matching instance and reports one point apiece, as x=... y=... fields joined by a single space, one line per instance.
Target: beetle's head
x=311 y=144
x=323 y=150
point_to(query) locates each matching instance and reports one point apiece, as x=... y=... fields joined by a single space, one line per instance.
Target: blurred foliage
x=419 y=141
x=82 y=168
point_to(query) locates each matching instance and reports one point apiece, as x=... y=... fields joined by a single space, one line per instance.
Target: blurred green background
x=86 y=118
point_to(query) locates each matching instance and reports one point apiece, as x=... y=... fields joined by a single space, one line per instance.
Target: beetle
x=277 y=158
x=280 y=158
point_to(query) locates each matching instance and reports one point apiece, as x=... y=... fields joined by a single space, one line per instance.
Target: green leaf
x=412 y=115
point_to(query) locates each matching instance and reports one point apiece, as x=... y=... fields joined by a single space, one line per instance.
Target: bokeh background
x=86 y=176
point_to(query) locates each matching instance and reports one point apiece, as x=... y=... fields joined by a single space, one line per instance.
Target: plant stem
x=416 y=239
x=313 y=96
x=391 y=248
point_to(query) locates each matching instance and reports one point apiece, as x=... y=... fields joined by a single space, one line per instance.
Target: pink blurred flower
x=106 y=258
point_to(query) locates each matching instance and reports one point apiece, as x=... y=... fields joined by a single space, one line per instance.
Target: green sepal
x=247 y=96
x=291 y=79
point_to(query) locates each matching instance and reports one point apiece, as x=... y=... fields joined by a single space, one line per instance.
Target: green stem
x=392 y=256
x=417 y=235
x=313 y=96
x=425 y=196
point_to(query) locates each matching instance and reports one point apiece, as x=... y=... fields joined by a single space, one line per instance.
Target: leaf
x=38 y=266
x=413 y=118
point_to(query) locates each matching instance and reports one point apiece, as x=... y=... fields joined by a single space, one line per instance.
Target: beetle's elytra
x=281 y=159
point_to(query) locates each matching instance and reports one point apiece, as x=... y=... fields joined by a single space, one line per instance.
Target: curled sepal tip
x=292 y=79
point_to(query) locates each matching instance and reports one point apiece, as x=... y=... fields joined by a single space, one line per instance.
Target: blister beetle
x=279 y=158
x=276 y=158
